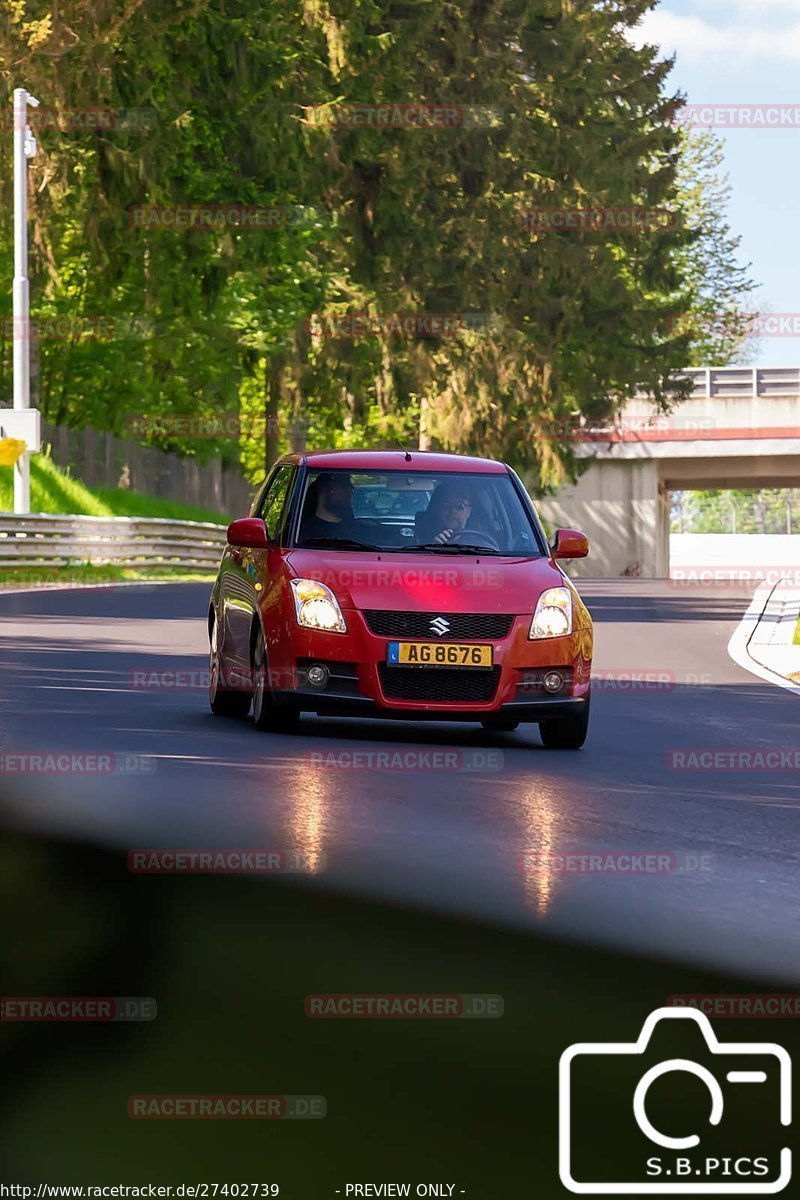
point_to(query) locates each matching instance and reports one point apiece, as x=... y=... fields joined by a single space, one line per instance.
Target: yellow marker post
x=11 y=450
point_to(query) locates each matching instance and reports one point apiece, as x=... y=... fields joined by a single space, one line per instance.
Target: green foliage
x=554 y=107
x=719 y=284
x=768 y=510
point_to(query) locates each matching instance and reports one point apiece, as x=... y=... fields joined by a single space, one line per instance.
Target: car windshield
x=434 y=513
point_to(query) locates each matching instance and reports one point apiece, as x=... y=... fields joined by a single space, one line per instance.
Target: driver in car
x=448 y=513
x=329 y=508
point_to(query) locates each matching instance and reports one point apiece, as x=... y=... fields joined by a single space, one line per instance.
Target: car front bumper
x=359 y=676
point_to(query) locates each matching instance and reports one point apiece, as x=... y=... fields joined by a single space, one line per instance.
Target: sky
x=747 y=52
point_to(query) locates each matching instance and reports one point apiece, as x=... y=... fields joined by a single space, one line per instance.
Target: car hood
x=428 y=582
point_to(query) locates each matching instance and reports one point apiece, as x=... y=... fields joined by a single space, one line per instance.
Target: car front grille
x=463 y=627
x=439 y=685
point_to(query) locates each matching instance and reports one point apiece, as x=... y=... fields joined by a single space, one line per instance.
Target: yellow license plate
x=438 y=654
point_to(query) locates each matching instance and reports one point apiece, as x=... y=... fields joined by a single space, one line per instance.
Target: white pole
x=24 y=148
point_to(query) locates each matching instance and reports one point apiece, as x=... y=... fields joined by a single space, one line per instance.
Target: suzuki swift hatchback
x=407 y=585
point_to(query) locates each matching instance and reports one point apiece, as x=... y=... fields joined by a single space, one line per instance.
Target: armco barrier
x=43 y=539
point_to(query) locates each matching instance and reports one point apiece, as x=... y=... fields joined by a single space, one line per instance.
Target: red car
x=399 y=584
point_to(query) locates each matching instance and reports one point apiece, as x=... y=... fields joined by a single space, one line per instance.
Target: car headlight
x=316 y=606
x=553 y=615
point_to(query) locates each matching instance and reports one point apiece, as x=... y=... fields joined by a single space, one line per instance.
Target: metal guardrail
x=54 y=540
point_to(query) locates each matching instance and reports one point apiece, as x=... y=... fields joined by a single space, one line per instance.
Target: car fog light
x=317 y=676
x=553 y=682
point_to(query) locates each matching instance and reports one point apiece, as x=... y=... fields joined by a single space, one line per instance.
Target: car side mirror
x=569 y=543
x=248 y=531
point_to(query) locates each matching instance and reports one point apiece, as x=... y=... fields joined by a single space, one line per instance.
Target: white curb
x=738 y=646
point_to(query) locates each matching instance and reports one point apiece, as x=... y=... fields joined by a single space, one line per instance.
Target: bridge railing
x=747 y=382
x=54 y=540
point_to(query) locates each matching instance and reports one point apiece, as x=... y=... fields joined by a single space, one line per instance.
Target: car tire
x=500 y=724
x=568 y=733
x=224 y=702
x=268 y=716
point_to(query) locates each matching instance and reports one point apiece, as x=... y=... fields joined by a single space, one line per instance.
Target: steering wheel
x=476 y=536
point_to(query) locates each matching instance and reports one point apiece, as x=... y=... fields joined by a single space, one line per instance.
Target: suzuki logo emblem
x=440 y=625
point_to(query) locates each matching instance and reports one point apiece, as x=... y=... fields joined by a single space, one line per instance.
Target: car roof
x=395 y=460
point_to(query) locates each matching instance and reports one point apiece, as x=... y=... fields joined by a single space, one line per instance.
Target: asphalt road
x=72 y=665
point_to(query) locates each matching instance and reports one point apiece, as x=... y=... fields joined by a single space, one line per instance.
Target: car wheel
x=569 y=733
x=500 y=724
x=225 y=702
x=268 y=716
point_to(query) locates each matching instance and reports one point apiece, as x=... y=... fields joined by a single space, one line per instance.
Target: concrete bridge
x=739 y=429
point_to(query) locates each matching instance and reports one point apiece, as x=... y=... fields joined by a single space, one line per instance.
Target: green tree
x=764 y=510
x=578 y=318
x=720 y=285
x=554 y=108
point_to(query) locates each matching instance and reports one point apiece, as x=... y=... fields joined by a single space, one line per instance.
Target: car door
x=271 y=564
x=250 y=571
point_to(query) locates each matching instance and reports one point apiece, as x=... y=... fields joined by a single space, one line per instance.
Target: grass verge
x=55 y=491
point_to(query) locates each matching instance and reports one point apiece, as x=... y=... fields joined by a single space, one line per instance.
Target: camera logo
x=738 y=1098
